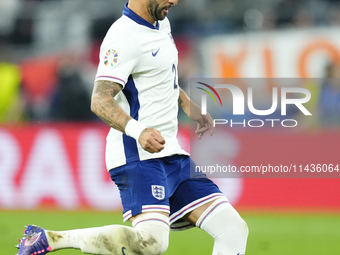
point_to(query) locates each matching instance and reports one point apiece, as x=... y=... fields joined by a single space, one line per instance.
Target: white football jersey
x=142 y=58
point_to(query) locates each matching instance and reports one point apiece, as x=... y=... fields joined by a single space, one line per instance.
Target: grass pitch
x=274 y=234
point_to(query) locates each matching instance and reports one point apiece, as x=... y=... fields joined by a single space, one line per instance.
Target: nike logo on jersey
x=154 y=54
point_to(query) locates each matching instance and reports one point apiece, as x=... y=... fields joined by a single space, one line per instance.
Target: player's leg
x=145 y=205
x=220 y=220
x=149 y=235
x=206 y=207
x=212 y=213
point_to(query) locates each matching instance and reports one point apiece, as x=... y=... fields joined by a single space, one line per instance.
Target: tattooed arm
x=184 y=101
x=204 y=122
x=106 y=107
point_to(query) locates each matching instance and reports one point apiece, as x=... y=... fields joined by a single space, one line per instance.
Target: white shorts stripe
x=148 y=208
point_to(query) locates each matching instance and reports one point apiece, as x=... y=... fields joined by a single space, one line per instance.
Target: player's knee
x=235 y=222
x=242 y=227
x=153 y=233
x=154 y=245
x=221 y=219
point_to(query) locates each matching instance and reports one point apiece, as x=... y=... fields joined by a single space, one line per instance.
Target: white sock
x=226 y=226
x=150 y=235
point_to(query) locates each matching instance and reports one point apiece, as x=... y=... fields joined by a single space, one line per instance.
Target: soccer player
x=137 y=95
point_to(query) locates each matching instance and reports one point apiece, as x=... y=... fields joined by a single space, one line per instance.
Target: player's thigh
x=192 y=195
x=194 y=215
x=142 y=186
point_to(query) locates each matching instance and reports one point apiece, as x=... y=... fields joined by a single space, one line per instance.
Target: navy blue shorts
x=164 y=185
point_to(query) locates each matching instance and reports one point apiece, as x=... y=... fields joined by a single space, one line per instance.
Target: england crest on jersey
x=158 y=191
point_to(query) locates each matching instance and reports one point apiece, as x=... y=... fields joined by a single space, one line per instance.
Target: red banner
x=62 y=165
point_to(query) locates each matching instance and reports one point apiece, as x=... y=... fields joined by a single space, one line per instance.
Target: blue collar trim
x=129 y=13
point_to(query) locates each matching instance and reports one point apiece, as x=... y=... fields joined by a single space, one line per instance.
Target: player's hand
x=204 y=122
x=151 y=140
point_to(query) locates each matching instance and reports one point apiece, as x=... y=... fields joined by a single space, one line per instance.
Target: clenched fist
x=151 y=140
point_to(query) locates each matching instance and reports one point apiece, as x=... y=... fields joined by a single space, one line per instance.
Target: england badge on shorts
x=158 y=191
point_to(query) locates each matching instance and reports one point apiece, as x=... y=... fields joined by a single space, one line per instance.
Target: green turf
x=274 y=234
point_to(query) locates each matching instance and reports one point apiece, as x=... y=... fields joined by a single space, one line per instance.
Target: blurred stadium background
x=52 y=169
